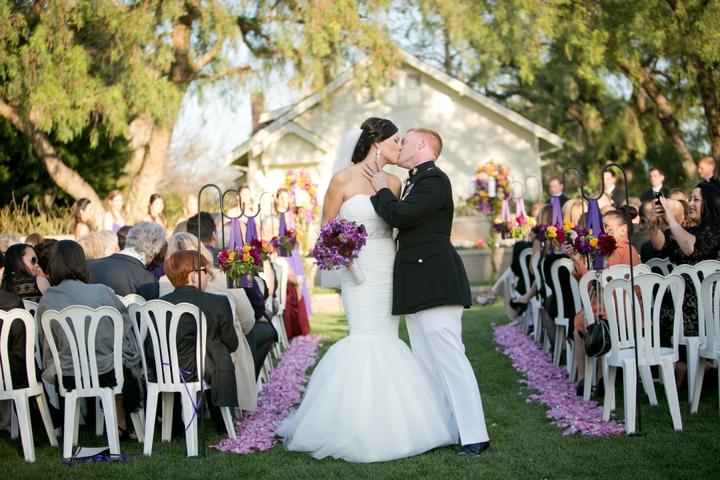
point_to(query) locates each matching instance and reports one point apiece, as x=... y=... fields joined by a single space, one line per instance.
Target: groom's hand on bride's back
x=377 y=176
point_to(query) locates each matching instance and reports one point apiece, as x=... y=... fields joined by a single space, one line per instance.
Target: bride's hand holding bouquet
x=339 y=244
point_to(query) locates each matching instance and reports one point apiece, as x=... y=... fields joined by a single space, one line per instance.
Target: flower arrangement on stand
x=285 y=244
x=522 y=227
x=505 y=227
x=589 y=246
x=339 y=244
x=240 y=264
x=490 y=187
x=554 y=236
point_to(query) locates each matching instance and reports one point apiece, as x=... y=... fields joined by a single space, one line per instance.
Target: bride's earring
x=377 y=155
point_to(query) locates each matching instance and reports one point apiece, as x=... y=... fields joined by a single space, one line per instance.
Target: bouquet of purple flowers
x=339 y=244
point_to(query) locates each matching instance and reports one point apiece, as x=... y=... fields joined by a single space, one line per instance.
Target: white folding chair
x=278 y=321
x=563 y=319
x=642 y=338
x=21 y=396
x=693 y=344
x=78 y=326
x=52 y=394
x=710 y=350
x=161 y=319
x=524 y=258
x=661 y=266
x=131 y=298
x=536 y=304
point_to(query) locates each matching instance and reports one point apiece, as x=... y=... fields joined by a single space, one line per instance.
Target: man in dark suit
x=125 y=271
x=617 y=195
x=221 y=339
x=706 y=170
x=656 y=182
x=430 y=286
x=555 y=188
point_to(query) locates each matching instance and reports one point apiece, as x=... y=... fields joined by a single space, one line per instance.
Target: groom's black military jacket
x=428 y=271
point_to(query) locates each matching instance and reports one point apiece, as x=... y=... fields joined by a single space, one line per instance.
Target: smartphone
x=658 y=196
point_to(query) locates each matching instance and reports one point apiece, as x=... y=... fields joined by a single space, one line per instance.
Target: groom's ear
x=422 y=143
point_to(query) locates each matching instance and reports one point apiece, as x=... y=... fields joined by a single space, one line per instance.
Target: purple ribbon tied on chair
x=595 y=225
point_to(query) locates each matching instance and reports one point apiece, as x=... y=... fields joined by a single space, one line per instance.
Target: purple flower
x=340 y=241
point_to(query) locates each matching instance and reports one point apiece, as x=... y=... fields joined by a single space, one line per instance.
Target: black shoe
x=519 y=307
x=124 y=435
x=474 y=449
x=600 y=391
x=580 y=388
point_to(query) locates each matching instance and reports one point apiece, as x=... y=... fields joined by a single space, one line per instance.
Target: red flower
x=607 y=244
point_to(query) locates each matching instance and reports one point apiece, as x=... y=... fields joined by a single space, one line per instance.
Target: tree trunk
x=145 y=182
x=65 y=177
x=670 y=125
x=708 y=94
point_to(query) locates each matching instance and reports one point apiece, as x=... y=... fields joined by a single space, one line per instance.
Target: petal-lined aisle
x=552 y=386
x=283 y=389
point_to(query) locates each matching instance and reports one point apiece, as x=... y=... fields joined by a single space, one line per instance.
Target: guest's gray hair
x=147 y=238
x=110 y=241
x=187 y=241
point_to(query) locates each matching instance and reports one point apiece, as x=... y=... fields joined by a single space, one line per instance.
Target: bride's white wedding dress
x=368 y=400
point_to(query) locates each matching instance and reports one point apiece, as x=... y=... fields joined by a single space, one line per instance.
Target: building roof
x=280 y=121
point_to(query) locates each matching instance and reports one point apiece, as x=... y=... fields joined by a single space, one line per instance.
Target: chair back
x=697 y=273
x=524 y=258
x=567 y=265
x=161 y=319
x=6 y=321
x=80 y=325
x=131 y=298
x=604 y=277
x=650 y=289
x=661 y=266
x=32 y=307
x=710 y=300
x=622 y=271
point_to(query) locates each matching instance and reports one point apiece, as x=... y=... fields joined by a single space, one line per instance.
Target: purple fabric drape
x=283 y=252
x=557 y=218
x=235 y=239
x=505 y=215
x=296 y=263
x=595 y=226
x=251 y=230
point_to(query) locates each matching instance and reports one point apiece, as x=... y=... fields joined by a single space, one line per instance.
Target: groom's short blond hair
x=433 y=139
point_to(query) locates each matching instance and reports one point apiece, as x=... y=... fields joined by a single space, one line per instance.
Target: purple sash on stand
x=557 y=218
x=595 y=225
x=296 y=263
x=251 y=231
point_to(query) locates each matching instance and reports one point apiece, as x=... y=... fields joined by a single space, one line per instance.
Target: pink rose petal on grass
x=552 y=386
x=280 y=393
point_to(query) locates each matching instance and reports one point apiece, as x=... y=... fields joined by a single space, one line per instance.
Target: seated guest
x=70 y=276
x=16 y=339
x=678 y=194
x=615 y=223
x=33 y=239
x=124 y=271
x=208 y=232
x=640 y=232
x=43 y=250
x=122 y=234
x=21 y=273
x=656 y=186
x=6 y=241
x=181 y=269
x=156 y=266
x=244 y=321
x=92 y=245
x=647 y=251
x=686 y=246
x=110 y=242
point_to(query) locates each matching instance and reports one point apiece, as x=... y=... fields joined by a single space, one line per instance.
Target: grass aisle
x=525 y=445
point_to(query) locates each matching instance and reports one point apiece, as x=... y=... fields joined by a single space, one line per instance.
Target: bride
x=367 y=400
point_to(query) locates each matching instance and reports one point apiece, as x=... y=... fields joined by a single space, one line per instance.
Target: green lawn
x=525 y=445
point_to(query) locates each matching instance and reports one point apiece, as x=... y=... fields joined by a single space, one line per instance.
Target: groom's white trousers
x=436 y=341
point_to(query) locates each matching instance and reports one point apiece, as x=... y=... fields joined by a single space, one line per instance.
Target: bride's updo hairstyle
x=373 y=130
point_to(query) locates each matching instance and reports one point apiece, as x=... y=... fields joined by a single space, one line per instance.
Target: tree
x=67 y=66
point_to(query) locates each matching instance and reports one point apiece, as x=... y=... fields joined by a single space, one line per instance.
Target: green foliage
x=22 y=220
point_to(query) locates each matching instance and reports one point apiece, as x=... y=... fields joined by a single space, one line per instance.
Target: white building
x=474 y=128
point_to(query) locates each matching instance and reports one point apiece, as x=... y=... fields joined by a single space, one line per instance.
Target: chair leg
x=648 y=384
x=693 y=357
x=668 y=372
x=590 y=366
x=191 y=425
x=168 y=405
x=227 y=417
x=13 y=421
x=25 y=426
x=138 y=420
x=630 y=395
x=99 y=420
x=47 y=419
x=699 y=377
x=71 y=424
x=152 y=401
x=111 y=422
x=558 y=345
x=609 y=403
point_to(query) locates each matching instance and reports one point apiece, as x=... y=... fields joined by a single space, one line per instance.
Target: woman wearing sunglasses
x=21 y=273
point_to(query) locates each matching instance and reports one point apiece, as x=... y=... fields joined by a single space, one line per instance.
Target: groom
x=430 y=286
